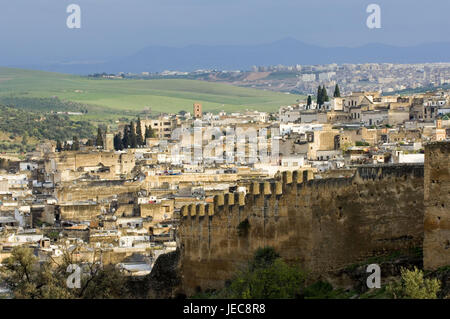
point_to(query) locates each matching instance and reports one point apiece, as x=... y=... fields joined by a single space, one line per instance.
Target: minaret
x=198 y=111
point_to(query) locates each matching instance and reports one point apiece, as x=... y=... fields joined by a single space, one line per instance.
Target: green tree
x=413 y=285
x=126 y=137
x=149 y=133
x=139 y=136
x=319 y=96
x=29 y=279
x=59 y=146
x=267 y=277
x=309 y=101
x=325 y=94
x=132 y=137
x=118 y=144
x=75 y=144
x=337 y=92
x=99 y=140
x=106 y=282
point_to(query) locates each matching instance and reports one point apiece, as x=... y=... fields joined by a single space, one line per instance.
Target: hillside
x=117 y=97
x=288 y=51
x=21 y=130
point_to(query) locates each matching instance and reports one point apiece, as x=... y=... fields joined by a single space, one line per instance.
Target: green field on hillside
x=112 y=98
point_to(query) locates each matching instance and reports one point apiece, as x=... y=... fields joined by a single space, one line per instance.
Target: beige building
x=66 y=166
x=324 y=140
x=162 y=126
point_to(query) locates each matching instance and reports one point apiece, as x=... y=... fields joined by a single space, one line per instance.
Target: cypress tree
x=133 y=138
x=319 y=96
x=99 y=140
x=59 y=146
x=118 y=145
x=126 y=137
x=309 y=102
x=139 y=138
x=25 y=139
x=325 y=94
x=115 y=142
x=121 y=147
x=337 y=92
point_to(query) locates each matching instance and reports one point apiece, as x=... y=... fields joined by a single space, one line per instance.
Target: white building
x=410 y=158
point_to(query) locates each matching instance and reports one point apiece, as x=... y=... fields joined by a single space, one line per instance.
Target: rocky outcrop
x=164 y=280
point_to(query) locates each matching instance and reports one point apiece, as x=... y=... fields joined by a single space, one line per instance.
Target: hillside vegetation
x=52 y=104
x=20 y=128
x=109 y=97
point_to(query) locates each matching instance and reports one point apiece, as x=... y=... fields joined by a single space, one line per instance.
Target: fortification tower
x=436 y=246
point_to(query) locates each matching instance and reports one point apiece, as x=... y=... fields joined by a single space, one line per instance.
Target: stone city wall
x=323 y=224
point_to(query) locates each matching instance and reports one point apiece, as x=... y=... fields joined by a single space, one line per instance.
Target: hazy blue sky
x=36 y=29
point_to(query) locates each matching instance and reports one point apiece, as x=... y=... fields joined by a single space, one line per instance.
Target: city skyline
x=224 y=150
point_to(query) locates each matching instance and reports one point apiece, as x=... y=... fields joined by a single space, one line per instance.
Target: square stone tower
x=108 y=142
x=198 y=113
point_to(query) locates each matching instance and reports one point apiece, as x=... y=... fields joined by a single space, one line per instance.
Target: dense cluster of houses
x=125 y=205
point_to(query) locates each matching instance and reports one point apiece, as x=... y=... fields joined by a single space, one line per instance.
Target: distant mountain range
x=242 y=57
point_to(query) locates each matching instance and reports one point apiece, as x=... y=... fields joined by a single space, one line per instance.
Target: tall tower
x=108 y=142
x=198 y=111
